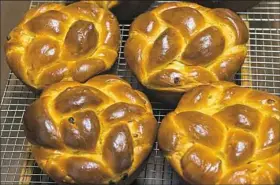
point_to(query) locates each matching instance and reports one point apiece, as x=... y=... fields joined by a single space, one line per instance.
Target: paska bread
x=99 y=132
x=224 y=134
x=180 y=45
x=56 y=43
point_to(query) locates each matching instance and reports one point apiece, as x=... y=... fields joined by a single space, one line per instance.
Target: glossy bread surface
x=56 y=43
x=91 y=133
x=106 y=4
x=224 y=134
x=180 y=45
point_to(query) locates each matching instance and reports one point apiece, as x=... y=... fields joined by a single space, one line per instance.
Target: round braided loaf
x=93 y=133
x=179 y=45
x=56 y=43
x=224 y=134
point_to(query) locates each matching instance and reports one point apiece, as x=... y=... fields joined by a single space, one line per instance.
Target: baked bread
x=99 y=132
x=56 y=43
x=224 y=134
x=106 y=4
x=179 y=45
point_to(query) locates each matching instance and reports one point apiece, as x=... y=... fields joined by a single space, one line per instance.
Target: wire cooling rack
x=260 y=71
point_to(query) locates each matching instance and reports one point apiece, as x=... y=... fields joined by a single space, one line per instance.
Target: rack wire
x=261 y=71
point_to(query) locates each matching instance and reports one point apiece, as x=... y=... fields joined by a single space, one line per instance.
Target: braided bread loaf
x=56 y=43
x=178 y=46
x=224 y=134
x=99 y=132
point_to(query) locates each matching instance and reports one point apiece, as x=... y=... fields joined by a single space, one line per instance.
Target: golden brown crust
x=106 y=4
x=181 y=45
x=224 y=134
x=56 y=43
x=91 y=133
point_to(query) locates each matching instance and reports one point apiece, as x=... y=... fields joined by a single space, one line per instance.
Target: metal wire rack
x=260 y=71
